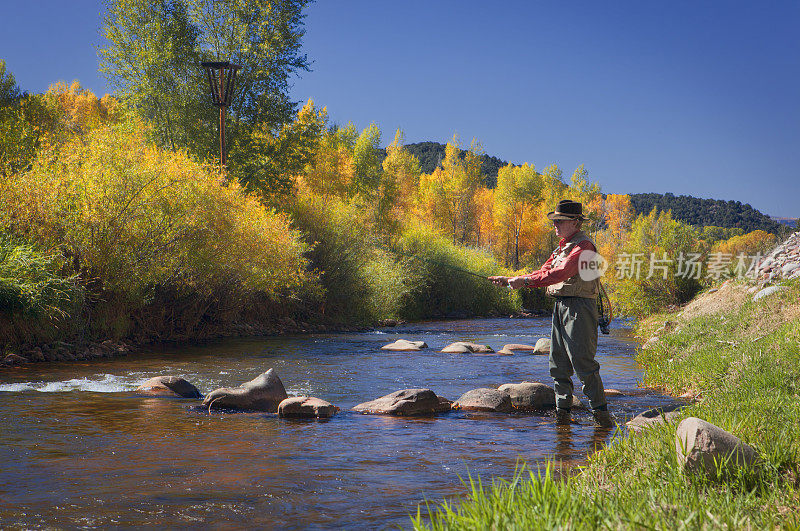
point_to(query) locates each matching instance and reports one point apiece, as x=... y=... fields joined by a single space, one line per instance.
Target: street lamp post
x=221 y=77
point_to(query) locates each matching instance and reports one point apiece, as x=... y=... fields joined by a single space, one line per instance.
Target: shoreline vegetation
x=110 y=239
x=738 y=359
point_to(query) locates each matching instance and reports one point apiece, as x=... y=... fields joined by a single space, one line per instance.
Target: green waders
x=573 y=344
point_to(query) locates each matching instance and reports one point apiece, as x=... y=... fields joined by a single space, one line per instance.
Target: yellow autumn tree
x=588 y=193
x=398 y=184
x=750 y=244
x=516 y=198
x=484 y=218
x=330 y=172
x=447 y=195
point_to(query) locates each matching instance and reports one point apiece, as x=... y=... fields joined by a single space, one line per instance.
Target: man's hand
x=516 y=282
x=511 y=282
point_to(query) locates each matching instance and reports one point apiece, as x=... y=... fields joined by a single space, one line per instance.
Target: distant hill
x=789 y=222
x=702 y=212
x=431 y=154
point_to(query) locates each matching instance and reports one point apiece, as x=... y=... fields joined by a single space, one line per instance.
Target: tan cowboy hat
x=567 y=209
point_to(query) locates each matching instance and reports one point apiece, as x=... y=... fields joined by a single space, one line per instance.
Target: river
x=80 y=449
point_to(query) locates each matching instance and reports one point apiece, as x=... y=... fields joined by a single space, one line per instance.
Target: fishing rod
x=450 y=266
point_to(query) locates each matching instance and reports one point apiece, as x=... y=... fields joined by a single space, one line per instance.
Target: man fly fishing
x=573 y=337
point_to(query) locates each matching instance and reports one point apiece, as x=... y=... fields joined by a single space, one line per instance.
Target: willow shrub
x=36 y=301
x=163 y=245
x=443 y=285
x=362 y=281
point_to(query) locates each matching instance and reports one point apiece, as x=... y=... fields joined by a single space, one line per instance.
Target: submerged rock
x=403 y=345
x=406 y=402
x=530 y=395
x=307 y=407
x=704 y=447
x=169 y=386
x=465 y=347
x=263 y=393
x=519 y=346
x=14 y=359
x=502 y=352
x=654 y=416
x=484 y=399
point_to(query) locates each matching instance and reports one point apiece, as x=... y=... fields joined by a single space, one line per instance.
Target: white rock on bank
x=767 y=291
x=704 y=447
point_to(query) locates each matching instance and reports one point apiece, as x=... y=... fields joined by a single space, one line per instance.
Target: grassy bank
x=740 y=359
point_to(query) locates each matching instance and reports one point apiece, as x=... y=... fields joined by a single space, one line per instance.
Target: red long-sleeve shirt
x=547 y=275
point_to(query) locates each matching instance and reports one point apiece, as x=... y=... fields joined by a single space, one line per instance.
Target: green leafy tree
x=270 y=161
x=153 y=53
x=9 y=90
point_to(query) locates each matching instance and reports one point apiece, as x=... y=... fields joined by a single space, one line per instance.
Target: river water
x=79 y=449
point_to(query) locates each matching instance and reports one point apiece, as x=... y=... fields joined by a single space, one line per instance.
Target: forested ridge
x=704 y=212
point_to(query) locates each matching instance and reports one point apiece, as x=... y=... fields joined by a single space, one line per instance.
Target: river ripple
x=80 y=450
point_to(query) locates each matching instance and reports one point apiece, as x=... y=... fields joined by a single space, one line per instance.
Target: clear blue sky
x=698 y=98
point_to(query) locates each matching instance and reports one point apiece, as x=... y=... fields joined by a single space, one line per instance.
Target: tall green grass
x=37 y=303
x=746 y=366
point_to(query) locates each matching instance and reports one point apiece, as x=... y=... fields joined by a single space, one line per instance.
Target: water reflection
x=104 y=456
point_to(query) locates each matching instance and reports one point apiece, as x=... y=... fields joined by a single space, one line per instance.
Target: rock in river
x=169 y=386
x=519 y=346
x=484 y=399
x=306 y=406
x=542 y=346
x=406 y=402
x=264 y=393
x=529 y=395
x=403 y=345
x=465 y=347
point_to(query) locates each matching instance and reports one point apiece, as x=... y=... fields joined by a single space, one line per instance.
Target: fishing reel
x=605 y=317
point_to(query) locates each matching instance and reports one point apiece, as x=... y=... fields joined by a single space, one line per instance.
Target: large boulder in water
x=484 y=399
x=306 y=406
x=530 y=395
x=542 y=346
x=263 y=393
x=703 y=447
x=406 y=402
x=169 y=386
x=403 y=345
